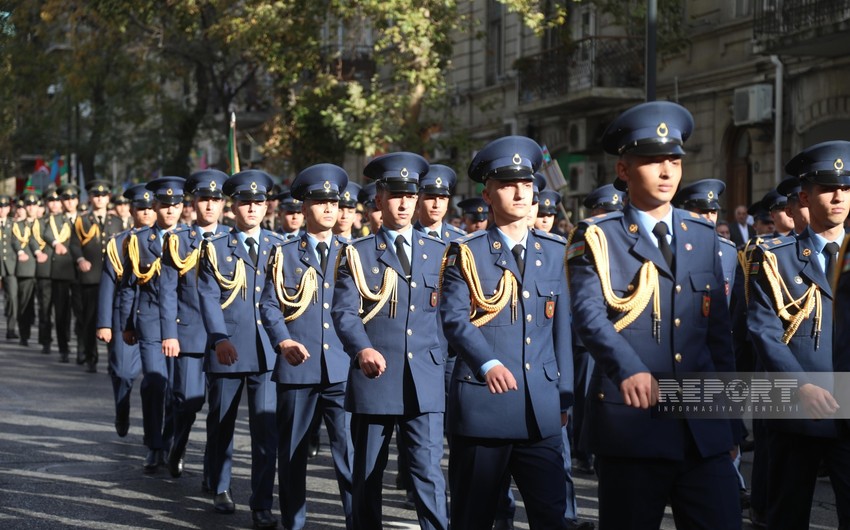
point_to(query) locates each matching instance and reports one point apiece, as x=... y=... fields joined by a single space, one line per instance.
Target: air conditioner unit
x=577 y=135
x=582 y=177
x=753 y=104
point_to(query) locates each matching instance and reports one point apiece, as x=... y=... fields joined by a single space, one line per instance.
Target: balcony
x=350 y=62
x=596 y=70
x=801 y=27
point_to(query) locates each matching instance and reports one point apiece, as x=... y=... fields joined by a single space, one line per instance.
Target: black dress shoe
x=152 y=460
x=175 y=463
x=223 y=503
x=205 y=485
x=122 y=423
x=263 y=519
x=313 y=445
x=575 y=524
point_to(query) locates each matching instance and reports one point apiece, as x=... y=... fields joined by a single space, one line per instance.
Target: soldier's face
x=432 y=208
x=545 y=223
x=509 y=200
x=99 y=202
x=828 y=205
x=70 y=205
x=167 y=215
x=344 y=220
x=4 y=211
x=375 y=219
x=291 y=221
x=723 y=231
x=32 y=210
x=396 y=209
x=708 y=215
x=54 y=206
x=474 y=226
x=320 y=215
x=122 y=210
x=249 y=214
x=652 y=180
x=208 y=210
x=782 y=221
x=143 y=216
x=799 y=213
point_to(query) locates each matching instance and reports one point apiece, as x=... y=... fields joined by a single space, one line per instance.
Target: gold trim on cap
x=615 y=199
x=169 y=191
x=547 y=202
x=710 y=195
x=839 y=164
x=480 y=209
x=146 y=196
x=662 y=130
x=346 y=195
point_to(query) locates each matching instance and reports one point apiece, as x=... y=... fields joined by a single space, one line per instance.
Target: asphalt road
x=63 y=466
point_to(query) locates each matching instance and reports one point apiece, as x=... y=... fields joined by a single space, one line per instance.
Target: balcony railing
x=596 y=62
x=774 y=18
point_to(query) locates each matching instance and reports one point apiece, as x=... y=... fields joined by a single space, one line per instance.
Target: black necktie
x=402 y=255
x=322 y=247
x=520 y=262
x=252 y=251
x=660 y=232
x=433 y=233
x=99 y=220
x=831 y=251
x=208 y=235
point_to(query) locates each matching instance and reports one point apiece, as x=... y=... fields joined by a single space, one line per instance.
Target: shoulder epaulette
x=777 y=242
x=469 y=237
x=278 y=236
x=453 y=228
x=597 y=219
x=550 y=236
x=726 y=242
x=180 y=228
x=218 y=236
x=696 y=218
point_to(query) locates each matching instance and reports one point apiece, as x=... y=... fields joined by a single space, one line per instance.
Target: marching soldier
x=513 y=381
x=124 y=359
x=180 y=311
x=122 y=209
x=475 y=214
x=347 y=211
x=239 y=354
x=547 y=210
x=435 y=196
x=790 y=187
x=312 y=367
x=43 y=268
x=88 y=246
x=797 y=328
x=619 y=264
x=291 y=218
x=373 y=214
x=26 y=248
x=8 y=261
x=385 y=312
x=139 y=299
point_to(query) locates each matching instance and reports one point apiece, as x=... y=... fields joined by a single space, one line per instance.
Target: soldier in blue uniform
x=373 y=214
x=605 y=198
x=139 y=299
x=790 y=187
x=124 y=359
x=652 y=252
x=347 y=211
x=312 y=367
x=506 y=313
x=180 y=312
x=291 y=218
x=786 y=275
x=90 y=235
x=547 y=210
x=475 y=214
x=435 y=195
x=239 y=353
x=385 y=312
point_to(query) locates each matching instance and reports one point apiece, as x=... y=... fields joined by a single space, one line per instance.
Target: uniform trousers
x=125 y=364
x=26 y=306
x=10 y=289
x=88 y=321
x=44 y=291
x=225 y=394
x=422 y=436
x=188 y=393
x=153 y=390
x=296 y=407
x=62 y=309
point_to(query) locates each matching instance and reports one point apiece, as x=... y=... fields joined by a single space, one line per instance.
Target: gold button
x=413 y=284
x=678 y=288
x=410 y=355
x=327 y=285
x=326 y=306
x=601 y=395
x=677 y=322
x=528 y=366
x=326 y=325
x=528 y=318
x=325 y=346
x=528 y=340
x=678 y=357
x=409 y=332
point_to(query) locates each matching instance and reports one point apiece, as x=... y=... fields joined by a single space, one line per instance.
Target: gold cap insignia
x=438 y=182
x=615 y=199
x=517 y=159
x=100 y=188
x=327 y=185
x=684 y=226
x=633 y=229
x=480 y=209
x=146 y=196
x=212 y=185
x=346 y=195
x=839 y=164
x=497 y=245
x=303 y=244
x=169 y=191
x=807 y=252
x=404 y=173
x=547 y=202
x=254 y=186
x=662 y=130
x=710 y=195
x=382 y=246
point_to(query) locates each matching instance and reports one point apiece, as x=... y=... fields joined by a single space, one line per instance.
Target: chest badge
x=435 y=299
x=706 y=305
x=550 y=308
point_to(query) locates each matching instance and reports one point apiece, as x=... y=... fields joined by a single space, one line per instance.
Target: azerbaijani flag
x=232 y=152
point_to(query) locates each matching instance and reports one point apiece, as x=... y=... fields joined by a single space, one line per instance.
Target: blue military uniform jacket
x=141 y=281
x=729 y=263
x=448 y=234
x=297 y=268
x=180 y=309
x=694 y=331
x=807 y=350
x=533 y=342
x=108 y=313
x=221 y=284
x=409 y=338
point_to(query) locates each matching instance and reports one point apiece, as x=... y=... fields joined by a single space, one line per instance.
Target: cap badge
x=662 y=130
x=480 y=209
x=438 y=182
x=807 y=252
x=839 y=164
x=347 y=195
x=404 y=173
x=497 y=245
x=382 y=246
x=327 y=185
x=100 y=188
x=169 y=191
x=710 y=195
x=253 y=186
x=146 y=196
x=212 y=185
x=615 y=199
x=517 y=159
x=633 y=228
x=547 y=202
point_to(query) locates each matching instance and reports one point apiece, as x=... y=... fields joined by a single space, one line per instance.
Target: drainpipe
x=777 y=120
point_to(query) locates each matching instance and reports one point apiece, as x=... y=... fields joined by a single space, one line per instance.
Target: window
x=495 y=52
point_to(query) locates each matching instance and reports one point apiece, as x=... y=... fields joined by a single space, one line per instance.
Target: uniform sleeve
x=610 y=350
x=75 y=246
x=209 y=295
x=346 y=310
x=127 y=292
x=270 y=311
x=106 y=295
x=719 y=321
x=169 y=277
x=562 y=336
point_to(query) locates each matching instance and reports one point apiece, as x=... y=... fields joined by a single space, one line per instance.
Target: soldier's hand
x=226 y=353
x=129 y=336
x=84 y=265
x=817 y=401
x=294 y=352
x=60 y=249
x=170 y=347
x=565 y=418
x=499 y=379
x=103 y=334
x=40 y=257
x=23 y=257
x=372 y=363
x=640 y=390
